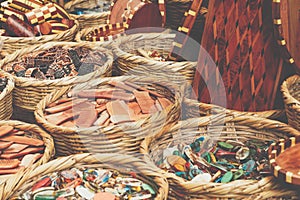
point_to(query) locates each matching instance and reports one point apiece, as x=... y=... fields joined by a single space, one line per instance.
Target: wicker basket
x=87 y=20
x=129 y=63
x=123 y=163
x=114 y=138
x=6 y=108
x=48 y=152
x=291 y=94
x=28 y=92
x=239 y=36
x=229 y=127
x=11 y=44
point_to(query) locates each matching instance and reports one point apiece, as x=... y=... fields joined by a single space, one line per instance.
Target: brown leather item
x=4 y=130
x=19 y=27
x=4 y=145
x=10 y=171
x=45 y=28
x=289 y=160
x=118 y=111
x=26 y=151
x=23 y=140
x=9 y=163
x=15 y=148
x=144 y=100
x=64 y=106
x=164 y=102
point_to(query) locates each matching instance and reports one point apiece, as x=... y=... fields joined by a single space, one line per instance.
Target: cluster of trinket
x=224 y=162
x=29 y=18
x=156 y=56
x=57 y=62
x=3 y=83
x=18 y=149
x=115 y=103
x=103 y=7
x=89 y=184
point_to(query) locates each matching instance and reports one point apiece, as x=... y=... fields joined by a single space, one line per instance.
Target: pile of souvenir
x=224 y=162
x=120 y=102
x=33 y=18
x=89 y=183
x=19 y=147
x=57 y=62
x=3 y=83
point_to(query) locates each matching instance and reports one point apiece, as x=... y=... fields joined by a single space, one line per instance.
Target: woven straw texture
x=6 y=109
x=87 y=20
x=192 y=109
x=130 y=63
x=114 y=138
x=10 y=180
x=229 y=127
x=28 y=92
x=11 y=44
x=239 y=37
x=123 y=163
x=291 y=94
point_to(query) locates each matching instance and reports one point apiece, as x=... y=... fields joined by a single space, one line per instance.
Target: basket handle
x=189 y=19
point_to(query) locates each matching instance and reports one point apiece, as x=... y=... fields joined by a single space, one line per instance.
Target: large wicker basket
x=6 y=108
x=87 y=20
x=48 y=152
x=239 y=36
x=28 y=92
x=130 y=63
x=12 y=44
x=113 y=138
x=291 y=94
x=123 y=163
x=227 y=127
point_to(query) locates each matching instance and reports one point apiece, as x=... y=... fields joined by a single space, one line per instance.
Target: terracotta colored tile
x=23 y=140
x=104 y=116
x=64 y=106
x=118 y=111
x=69 y=124
x=143 y=89
x=60 y=101
x=20 y=133
x=26 y=151
x=102 y=101
x=164 y=102
x=86 y=118
x=4 y=130
x=101 y=108
x=9 y=163
x=144 y=100
x=15 y=148
x=61 y=117
x=135 y=107
x=4 y=145
x=97 y=93
x=10 y=171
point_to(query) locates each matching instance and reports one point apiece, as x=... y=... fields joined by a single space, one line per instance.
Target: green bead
x=227 y=177
x=238 y=174
x=225 y=145
x=177 y=153
x=149 y=188
x=44 y=197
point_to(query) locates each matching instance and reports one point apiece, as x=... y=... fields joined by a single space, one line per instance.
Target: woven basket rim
x=9 y=87
x=88 y=16
x=40 y=117
x=66 y=162
x=251 y=121
x=288 y=97
x=62 y=81
x=42 y=38
x=33 y=129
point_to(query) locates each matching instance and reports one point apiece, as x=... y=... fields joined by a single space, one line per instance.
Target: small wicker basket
x=87 y=20
x=113 y=138
x=291 y=93
x=10 y=180
x=28 y=92
x=228 y=127
x=12 y=44
x=129 y=63
x=123 y=163
x=6 y=108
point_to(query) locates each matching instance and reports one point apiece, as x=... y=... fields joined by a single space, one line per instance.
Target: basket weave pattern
x=6 y=109
x=28 y=92
x=291 y=94
x=236 y=127
x=105 y=161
